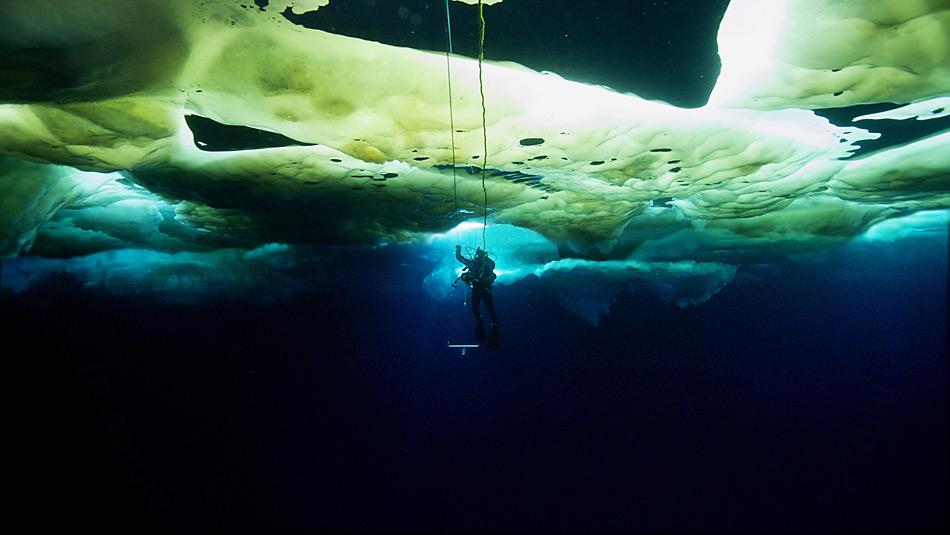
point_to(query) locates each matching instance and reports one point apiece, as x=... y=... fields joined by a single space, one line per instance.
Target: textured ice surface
x=827 y=53
x=97 y=154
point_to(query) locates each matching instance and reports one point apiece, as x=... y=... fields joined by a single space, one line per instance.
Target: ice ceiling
x=96 y=152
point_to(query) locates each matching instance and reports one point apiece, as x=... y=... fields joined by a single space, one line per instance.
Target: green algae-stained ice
x=96 y=152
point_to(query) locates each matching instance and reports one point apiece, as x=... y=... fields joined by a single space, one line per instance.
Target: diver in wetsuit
x=479 y=273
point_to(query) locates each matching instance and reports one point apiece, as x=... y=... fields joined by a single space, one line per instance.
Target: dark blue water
x=807 y=397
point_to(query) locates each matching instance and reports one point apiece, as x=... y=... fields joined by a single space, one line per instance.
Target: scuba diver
x=479 y=274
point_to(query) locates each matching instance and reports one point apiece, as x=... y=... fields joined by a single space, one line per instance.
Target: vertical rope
x=481 y=90
x=448 y=73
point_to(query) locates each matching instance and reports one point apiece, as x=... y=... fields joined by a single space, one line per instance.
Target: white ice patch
x=934 y=108
x=299 y=7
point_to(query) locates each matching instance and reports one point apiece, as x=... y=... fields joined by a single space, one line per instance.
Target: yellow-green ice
x=95 y=153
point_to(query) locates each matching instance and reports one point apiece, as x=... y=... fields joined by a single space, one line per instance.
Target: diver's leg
x=476 y=301
x=493 y=334
x=479 y=325
x=490 y=305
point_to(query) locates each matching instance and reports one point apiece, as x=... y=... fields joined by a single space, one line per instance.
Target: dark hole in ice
x=664 y=149
x=533 y=181
x=529 y=141
x=893 y=133
x=421 y=158
x=213 y=136
x=337 y=160
x=838 y=93
x=597 y=162
x=390 y=175
x=541 y=157
x=676 y=169
x=936 y=111
x=674 y=161
x=662 y=201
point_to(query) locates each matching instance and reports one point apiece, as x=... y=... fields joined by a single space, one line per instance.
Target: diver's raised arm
x=460 y=258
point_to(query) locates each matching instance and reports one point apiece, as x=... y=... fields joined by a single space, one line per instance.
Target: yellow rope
x=481 y=89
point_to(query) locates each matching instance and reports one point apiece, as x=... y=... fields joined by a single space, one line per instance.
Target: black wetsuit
x=481 y=275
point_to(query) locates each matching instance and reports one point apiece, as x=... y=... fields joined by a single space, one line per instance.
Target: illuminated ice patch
x=926 y=223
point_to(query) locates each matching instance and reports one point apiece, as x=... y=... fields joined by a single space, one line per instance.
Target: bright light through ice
x=459 y=230
x=748 y=36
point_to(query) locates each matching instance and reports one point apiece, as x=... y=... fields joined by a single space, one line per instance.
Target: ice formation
x=96 y=152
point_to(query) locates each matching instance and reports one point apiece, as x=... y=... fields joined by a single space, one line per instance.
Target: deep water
x=808 y=396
